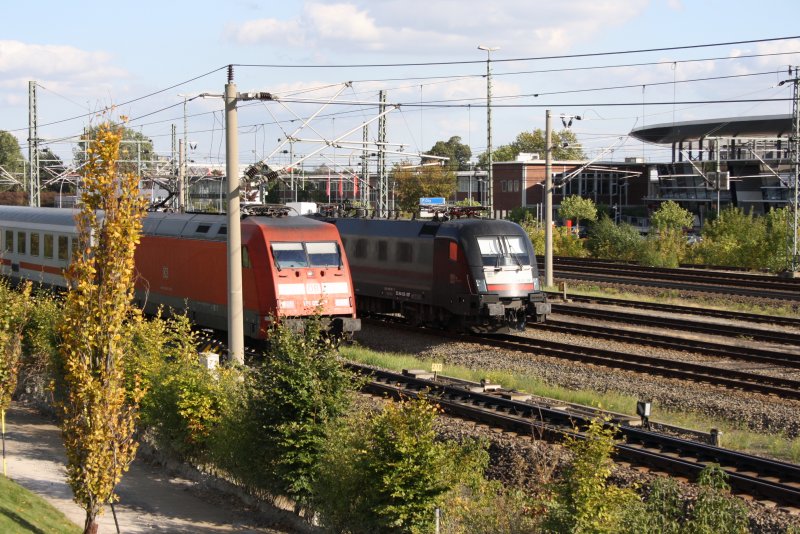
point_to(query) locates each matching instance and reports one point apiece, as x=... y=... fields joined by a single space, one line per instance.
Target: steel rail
x=759 y=477
x=756 y=334
x=720 y=350
x=686 y=310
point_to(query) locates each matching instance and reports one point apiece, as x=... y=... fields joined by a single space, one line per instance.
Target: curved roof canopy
x=757 y=126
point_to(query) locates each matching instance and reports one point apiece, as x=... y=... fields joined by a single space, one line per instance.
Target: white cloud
x=41 y=61
x=259 y=31
x=443 y=27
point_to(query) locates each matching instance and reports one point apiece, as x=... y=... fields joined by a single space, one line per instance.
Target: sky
x=618 y=64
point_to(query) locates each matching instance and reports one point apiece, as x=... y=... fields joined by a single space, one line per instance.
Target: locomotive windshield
x=298 y=255
x=500 y=251
x=324 y=254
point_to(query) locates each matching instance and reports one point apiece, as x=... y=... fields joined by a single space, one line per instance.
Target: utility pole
x=235 y=301
x=794 y=149
x=34 y=198
x=181 y=175
x=490 y=186
x=365 y=166
x=383 y=180
x=548 y=201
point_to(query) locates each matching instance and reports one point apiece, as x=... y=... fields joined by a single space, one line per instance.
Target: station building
x=742 y=161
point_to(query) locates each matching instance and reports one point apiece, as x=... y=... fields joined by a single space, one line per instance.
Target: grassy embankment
x=22 y=512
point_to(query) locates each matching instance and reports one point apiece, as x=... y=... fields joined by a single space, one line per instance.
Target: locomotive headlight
x=481 y=285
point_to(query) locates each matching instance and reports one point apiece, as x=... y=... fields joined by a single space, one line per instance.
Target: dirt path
x=150 y=499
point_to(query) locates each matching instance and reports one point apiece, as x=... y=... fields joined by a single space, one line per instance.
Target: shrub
x=584 y=500
x=16 y=307
x=715 y=511
x=184 y=402
x=291 y=396
x=565 y=243
x=734 y=239
x=388 y=473
x=619 y=242
x=665 y=249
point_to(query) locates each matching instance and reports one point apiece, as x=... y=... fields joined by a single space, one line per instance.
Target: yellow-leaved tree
x=16 y=307
x=99 y=414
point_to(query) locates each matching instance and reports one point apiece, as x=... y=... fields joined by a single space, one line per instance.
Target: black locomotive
x=470 y=274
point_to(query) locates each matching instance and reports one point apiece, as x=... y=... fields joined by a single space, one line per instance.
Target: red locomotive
x=292 y=267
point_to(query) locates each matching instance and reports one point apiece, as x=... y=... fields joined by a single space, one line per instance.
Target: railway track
x=720 y=350
x=754 y=318
x=761 y=478
x=686 y=325
x=726 y=282
x=738 y=380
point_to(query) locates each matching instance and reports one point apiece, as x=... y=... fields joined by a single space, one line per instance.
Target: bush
x=618 y=242
x=665 y=249
x=388 y=473
x=734 y=239
x=298 y=389
x=584 y=500
x=184 y=402
x=715 y=511
x=566 y=243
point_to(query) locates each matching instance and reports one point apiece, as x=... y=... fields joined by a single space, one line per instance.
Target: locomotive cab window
x=500 y=251
x=324 y=254
x=245 y=258
x=289 y=255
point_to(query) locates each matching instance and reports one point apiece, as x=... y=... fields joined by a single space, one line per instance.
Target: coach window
x=63 y=247
x=361 y=248
x=383 y=251
x=404 y=253
x=48 y=246
x=21 y=242
x=75 y=245
x=34 y=243
x=9 y=241
x=289 y=255
x=325 y=254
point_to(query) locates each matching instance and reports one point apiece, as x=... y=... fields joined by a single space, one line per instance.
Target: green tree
x=458 y=152
x=135 y=151
x=50 y=165
x=98 y=413
x=11 y=158
x=734 y=239
x=577 y=207
x=670 y=216
x=414 y=183
x=565 y=147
